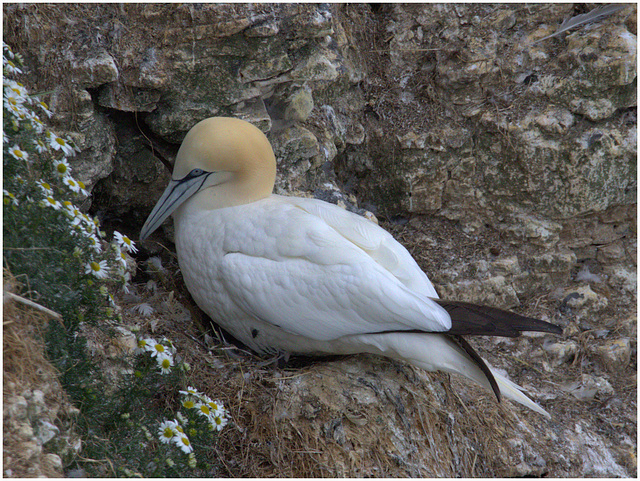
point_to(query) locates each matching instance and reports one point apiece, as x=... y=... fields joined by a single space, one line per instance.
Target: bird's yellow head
x=226 y=161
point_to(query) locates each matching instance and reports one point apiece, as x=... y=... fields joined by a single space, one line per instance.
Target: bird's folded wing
x=317 y=283
x=371 y=238
x=326 y=302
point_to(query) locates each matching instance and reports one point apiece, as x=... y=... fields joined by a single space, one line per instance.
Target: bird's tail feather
x=438 y=352
x=514 y=392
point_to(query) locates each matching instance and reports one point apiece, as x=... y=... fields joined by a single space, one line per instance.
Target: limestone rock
x=584 y=297
x=615 y=354
x=561 y=351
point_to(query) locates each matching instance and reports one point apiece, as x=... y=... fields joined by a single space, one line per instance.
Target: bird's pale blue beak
x=174 y=195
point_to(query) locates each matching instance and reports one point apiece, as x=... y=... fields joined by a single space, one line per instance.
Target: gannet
x=302 y=276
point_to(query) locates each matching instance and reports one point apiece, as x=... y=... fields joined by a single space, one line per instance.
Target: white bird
x=296 y=275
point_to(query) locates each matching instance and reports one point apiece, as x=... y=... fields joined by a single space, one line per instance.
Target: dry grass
x=25 y=370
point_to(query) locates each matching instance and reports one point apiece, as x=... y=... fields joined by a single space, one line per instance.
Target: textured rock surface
x=507 y=167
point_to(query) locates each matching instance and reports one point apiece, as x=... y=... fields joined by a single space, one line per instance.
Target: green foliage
x=60 y=255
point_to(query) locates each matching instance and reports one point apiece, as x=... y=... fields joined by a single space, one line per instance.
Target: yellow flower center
x=166 y=364
x=95 y=266
x=62 y=168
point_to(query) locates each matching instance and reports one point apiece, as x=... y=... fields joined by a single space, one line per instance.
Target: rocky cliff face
x=506 y=165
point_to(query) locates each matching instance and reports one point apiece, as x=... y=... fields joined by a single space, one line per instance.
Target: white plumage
x=297 y=275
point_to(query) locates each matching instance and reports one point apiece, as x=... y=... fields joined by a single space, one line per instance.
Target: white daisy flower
x=18 y=153
x=169 y=345
x=150 y=344
x=124 y=242
x=94 y=242
x=15 y=110
x=121 y=257
x=22 y=113
x=180 y=419
x=39 y=145
x=203 y=409
x=189 y=403
x=182 y=441
x=7 y=50
x=36 y=123
x=16 y=91
x=143 y=345
x=44 y=187
x=71 y=183
x=58 y=143
x=82 y=188
x=219 y=422
x=8 y=197
x=190 y=391
x=98 y=269
x=74 y=214
x=112 y=301
x=165 y=362
x=86 y=226
x=127 y=278
x=158 y=349
x=12 y=104
x=11 y=67
x=44 y=107
x=167 y=431
x=96 y=226
x=216 y=407
x=51 y=202
x=62 y=168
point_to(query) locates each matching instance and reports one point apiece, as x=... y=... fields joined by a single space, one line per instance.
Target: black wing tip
x=478 y=320
x=554 y=329
x=475 y=357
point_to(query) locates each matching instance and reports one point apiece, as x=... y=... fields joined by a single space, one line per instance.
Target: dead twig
x=35 y=305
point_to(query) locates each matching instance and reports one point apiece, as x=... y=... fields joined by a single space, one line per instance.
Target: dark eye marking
x=193 y=174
